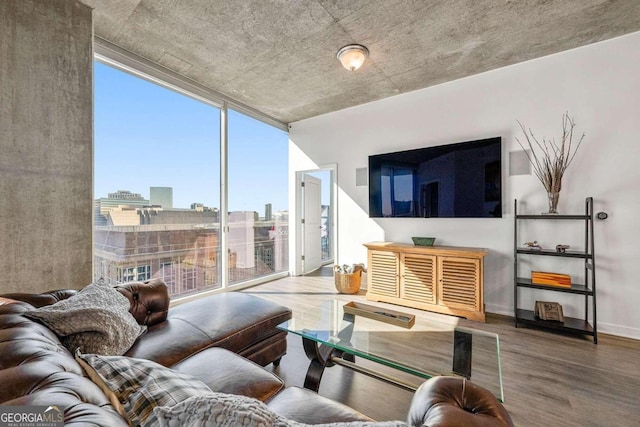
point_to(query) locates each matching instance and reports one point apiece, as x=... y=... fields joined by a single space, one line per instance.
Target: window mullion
x=224 y=216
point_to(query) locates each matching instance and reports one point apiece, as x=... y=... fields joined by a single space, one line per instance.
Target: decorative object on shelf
x=532 y=245
x=423 y=241
x=562 y=248
x=348 y=277
x=550 y=159
x=551 y=279
x=545 y=310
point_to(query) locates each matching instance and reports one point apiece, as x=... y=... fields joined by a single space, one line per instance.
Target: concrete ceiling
x=278 y=56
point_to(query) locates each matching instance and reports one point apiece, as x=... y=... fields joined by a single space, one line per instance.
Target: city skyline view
x=149 y=136
x=150 y=201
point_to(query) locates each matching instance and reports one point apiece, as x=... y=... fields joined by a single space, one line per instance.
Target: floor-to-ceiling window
x=157 y=189
x=156 y=184
x=257 y=199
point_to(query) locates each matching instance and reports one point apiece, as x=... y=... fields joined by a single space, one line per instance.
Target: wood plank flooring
x=549 y=379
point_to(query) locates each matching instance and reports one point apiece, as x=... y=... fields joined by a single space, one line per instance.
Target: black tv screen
x=462 y=180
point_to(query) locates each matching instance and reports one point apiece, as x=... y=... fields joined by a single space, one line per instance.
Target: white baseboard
x=499 y=309
x=606 y=328
x=619 y=330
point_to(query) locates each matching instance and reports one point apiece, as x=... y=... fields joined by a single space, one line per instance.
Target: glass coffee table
x=332 y=335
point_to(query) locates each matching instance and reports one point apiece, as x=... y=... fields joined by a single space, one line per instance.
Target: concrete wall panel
x=46 y=144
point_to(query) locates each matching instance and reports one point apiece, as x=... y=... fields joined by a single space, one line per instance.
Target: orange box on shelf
x=551 y=279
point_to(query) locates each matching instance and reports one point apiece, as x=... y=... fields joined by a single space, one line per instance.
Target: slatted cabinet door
x=382 y=273
x=418 y=278
x=459 y=284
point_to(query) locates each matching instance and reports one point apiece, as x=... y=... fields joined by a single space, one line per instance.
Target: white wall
x=600 y=87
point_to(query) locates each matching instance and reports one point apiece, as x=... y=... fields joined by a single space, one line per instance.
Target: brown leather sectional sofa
x=203 y=338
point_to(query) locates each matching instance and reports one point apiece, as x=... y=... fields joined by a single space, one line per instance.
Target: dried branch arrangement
x=551 y=159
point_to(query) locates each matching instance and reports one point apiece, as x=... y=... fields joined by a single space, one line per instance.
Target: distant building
x=202 y=208
x=185 y=256
x=182 y=247
x=241 y=239
x=161 y=196
x=267 y=212
x=137 y=240
x=325 y=231
x=121 y=199
x=156 y=216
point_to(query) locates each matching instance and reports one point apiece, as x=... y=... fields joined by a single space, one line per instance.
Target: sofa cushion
x=36 y=369
x=96 y=320
x=231 y=320
x=226 y=372
x=46 y=298
x=141 y=385
x=304 y=406
x=6 y=301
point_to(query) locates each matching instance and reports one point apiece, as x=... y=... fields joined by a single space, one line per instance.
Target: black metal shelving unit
x=586 y=289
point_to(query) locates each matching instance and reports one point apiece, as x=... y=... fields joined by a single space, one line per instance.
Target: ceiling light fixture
x=352 y=56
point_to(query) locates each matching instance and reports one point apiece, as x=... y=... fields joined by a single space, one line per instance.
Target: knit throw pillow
x=95 y=320
x=229 y=410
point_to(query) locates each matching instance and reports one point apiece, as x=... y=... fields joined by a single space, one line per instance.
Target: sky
x=149 y=136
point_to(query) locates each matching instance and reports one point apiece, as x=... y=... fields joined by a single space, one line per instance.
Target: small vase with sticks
x=550 y=159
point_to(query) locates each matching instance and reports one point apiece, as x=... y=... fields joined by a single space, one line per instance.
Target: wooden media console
x=443 y=279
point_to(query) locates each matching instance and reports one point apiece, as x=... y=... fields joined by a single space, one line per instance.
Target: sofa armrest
x=452 y=401
x=149 y=300
x=45 y=298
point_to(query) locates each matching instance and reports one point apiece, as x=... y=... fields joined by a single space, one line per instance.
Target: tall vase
x=553 y=196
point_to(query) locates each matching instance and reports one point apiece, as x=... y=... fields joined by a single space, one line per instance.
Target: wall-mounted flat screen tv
x=462 y=180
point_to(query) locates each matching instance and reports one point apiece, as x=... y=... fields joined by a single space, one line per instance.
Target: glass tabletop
x=419 y=346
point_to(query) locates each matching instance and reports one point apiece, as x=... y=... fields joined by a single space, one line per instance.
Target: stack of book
x=546 y=310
